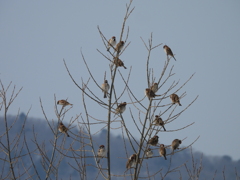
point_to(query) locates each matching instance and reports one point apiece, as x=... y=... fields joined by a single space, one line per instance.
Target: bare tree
x=158 y=99
x=11 y=146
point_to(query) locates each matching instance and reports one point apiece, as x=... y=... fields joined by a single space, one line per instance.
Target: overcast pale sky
x=35 y=36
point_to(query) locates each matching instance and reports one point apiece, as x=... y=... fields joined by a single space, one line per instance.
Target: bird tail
x=179 y=104
x=98 y=159
x=174 y=58
x=105 y=95
x=67 y=134
x=164 y=128
x=165 y=157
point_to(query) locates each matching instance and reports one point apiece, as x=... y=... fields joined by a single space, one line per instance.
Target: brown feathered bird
x=175 y=144
x=153 y=141
x=105 y=87
x=175 y=99
x=63 y=102
x=101 y=153
x=118 y=62
x=159 y=122
x=119 y=46
x=162 y=151
x=111 y=43
x=149 y=93
x=149 y=153
x=168 y=51
x=131 y=161
x=63 y=129
x=121 y=108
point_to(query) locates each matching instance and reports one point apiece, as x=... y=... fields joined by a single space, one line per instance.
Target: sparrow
x=119 y=46
x=64 y=103
x=175 y=144
x=153 y=141
x=63 y=129
x=118 y=62
x=168 y=51
x=105 y=87
x=159 y=122
x=121 y=108
x=149 y=153
x=101 y=153
x=175 y=99
x=149 y=93
x=131 y=161
x=112 y=42
x=154 y=87
x=162 y=151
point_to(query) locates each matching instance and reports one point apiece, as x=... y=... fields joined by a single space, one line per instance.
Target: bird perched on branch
x=63 y=129
x=63 y=102
x=175 y=144
x=131 y=161
x=119 y=46
x=149 y=93
x=118 y=62
x=105 y=88
x=121 y=108
x=154 y=87
x=111 y=42
x=168 y=51
x=175 y=99
x=101 y=153
x=149 y=153
x=162 y=151
x=159 y=122
x=153 y=141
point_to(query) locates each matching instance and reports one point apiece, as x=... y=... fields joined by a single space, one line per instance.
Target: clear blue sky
x=35 y=36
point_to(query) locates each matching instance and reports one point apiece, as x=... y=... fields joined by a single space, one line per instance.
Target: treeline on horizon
x=211 y=166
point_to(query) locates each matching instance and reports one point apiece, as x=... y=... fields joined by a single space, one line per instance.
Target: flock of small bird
x=149 y=92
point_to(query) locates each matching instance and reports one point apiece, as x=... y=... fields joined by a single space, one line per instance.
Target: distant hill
x=212 y=166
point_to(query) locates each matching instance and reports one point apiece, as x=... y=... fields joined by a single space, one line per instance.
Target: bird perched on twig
x=175 y=99
x=119 y=46
x=118 y=62
x=159 y=122
x=105 y=87
x=121 y=108
x=111 y=42
x=162 y=151
x=131 y=161
x=63 y=129
x=175 y=144
x=154 y=87
x=168 y=51
x=101 y=153
x=153 y=141
x=149 y=153
x=149 y=93
x=63 y=102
